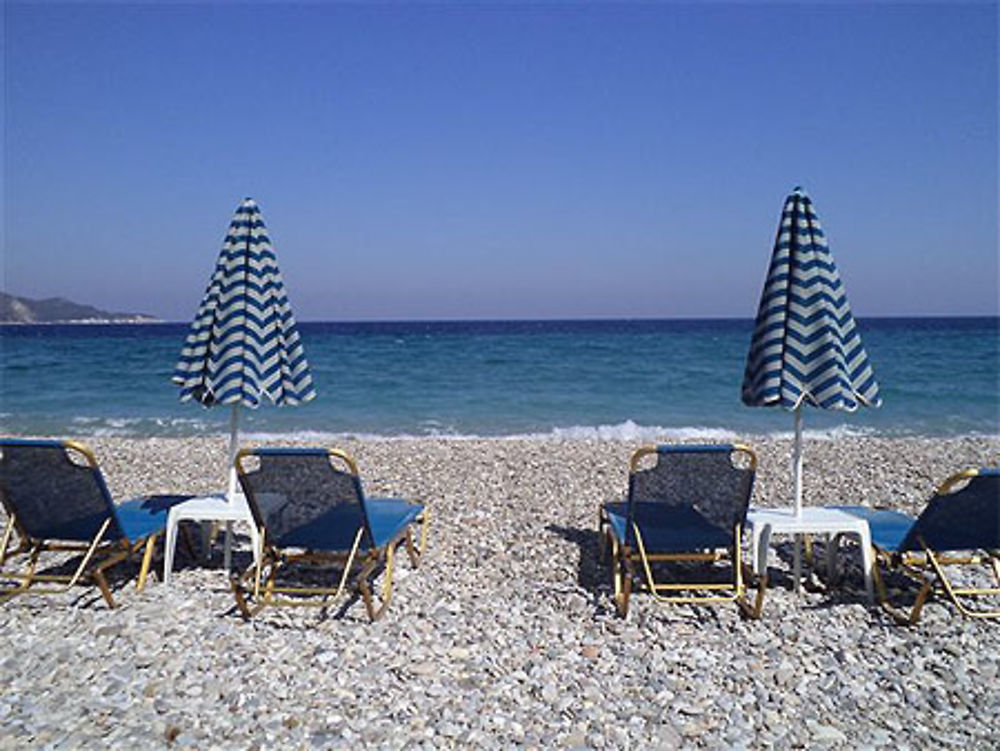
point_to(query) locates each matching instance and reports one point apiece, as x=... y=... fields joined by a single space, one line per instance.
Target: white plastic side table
x=211 y=508
x=814 y=520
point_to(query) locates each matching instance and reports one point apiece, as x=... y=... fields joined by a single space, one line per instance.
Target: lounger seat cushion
x=337 y=528
x=388 y=517
x=668 y=529
x=888 y=528
x=141 y=517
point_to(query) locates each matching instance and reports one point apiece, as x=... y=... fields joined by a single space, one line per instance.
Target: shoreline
x=506 y=634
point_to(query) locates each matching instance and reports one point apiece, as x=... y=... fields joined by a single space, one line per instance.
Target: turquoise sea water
x=630 y=379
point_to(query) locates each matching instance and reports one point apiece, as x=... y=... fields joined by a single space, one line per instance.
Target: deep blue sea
x=630 y=379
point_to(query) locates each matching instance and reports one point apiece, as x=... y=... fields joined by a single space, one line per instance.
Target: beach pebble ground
x=506 y=636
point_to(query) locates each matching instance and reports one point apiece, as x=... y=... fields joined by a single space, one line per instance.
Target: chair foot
x=623 y=589
x=102 y=584
x=753 y=611
x=376 y=611
x=241 y=594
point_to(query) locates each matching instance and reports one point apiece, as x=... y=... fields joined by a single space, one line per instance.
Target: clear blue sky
x=454 y=160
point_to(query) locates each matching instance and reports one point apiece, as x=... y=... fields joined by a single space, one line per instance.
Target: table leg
x=207 y=527
x=227 y=547
x=832 y=544
x=797 y=564
x=169 y=543
x=255 y=541
x=867 y=560
x=764 y=541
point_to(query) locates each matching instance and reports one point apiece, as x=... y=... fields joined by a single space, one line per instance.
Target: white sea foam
x=628 y=431
x=137 y=427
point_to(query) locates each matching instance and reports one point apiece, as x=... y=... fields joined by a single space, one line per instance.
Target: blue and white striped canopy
x=806 y=348
x=243 y=344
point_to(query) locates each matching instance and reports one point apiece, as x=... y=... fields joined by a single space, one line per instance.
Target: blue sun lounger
x=960 y=527
x=689 y=506
x=56 y=500
x=310 y=510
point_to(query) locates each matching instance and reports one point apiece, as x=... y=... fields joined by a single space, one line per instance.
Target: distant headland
x=59 y=310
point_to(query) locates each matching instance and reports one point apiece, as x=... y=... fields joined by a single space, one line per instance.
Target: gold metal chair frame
x=98 y=556
x=927 y=568
x=257 y=587
x=626 y=562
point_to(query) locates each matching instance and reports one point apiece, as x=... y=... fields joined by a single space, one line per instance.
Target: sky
x=500 y=160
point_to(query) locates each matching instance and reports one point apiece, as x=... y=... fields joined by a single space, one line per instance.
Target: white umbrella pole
x=797 y=461
x=797 y=479
x=234 y=446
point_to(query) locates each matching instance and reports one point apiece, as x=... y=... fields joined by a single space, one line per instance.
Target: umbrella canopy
x=243 y=345
x=805 y=347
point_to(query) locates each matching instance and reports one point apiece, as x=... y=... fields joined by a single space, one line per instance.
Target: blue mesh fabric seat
x=689 y=505
x=959 y=527
x=311 y=512
x=55 y=498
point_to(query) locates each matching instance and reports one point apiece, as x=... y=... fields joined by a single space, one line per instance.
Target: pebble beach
x=506 y=636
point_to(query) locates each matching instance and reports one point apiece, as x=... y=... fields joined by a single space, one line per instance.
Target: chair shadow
x=593 y=574
x=338 y=610
x=85 y=593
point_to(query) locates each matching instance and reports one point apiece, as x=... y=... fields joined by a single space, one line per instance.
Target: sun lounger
x=310 y=510
x=958 y=529
x=57 y=501
x=689 y=506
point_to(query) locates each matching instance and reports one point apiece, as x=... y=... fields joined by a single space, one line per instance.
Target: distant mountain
x=57 y=310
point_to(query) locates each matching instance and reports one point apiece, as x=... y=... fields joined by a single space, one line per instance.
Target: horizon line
x=553 y=319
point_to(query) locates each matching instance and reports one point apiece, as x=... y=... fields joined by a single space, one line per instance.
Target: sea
x=621 y=379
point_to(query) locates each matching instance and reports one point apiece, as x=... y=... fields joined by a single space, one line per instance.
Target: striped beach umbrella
x=243 y=346
x=805 y=347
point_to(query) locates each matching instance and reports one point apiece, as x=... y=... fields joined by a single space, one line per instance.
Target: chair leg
x=101 y=580
x=425 y=521
x=626 y=593
x=918 y=605
x=26 y=576
x=956 y=595
x=412 y=550
x=239 y=583
x=102 y=584
x=8 y=531
x=752 y=611
x=147 y=558
x=897 y=614
x=376 y=612
x=622 y=574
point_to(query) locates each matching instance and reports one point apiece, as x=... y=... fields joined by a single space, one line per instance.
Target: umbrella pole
x=234 y=445
x=797 y=461
x=797 y=475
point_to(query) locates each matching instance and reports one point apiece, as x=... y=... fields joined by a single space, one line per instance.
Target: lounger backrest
x=291 y=489
x=966 y=519
x=708 y=480
x=52 y=496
